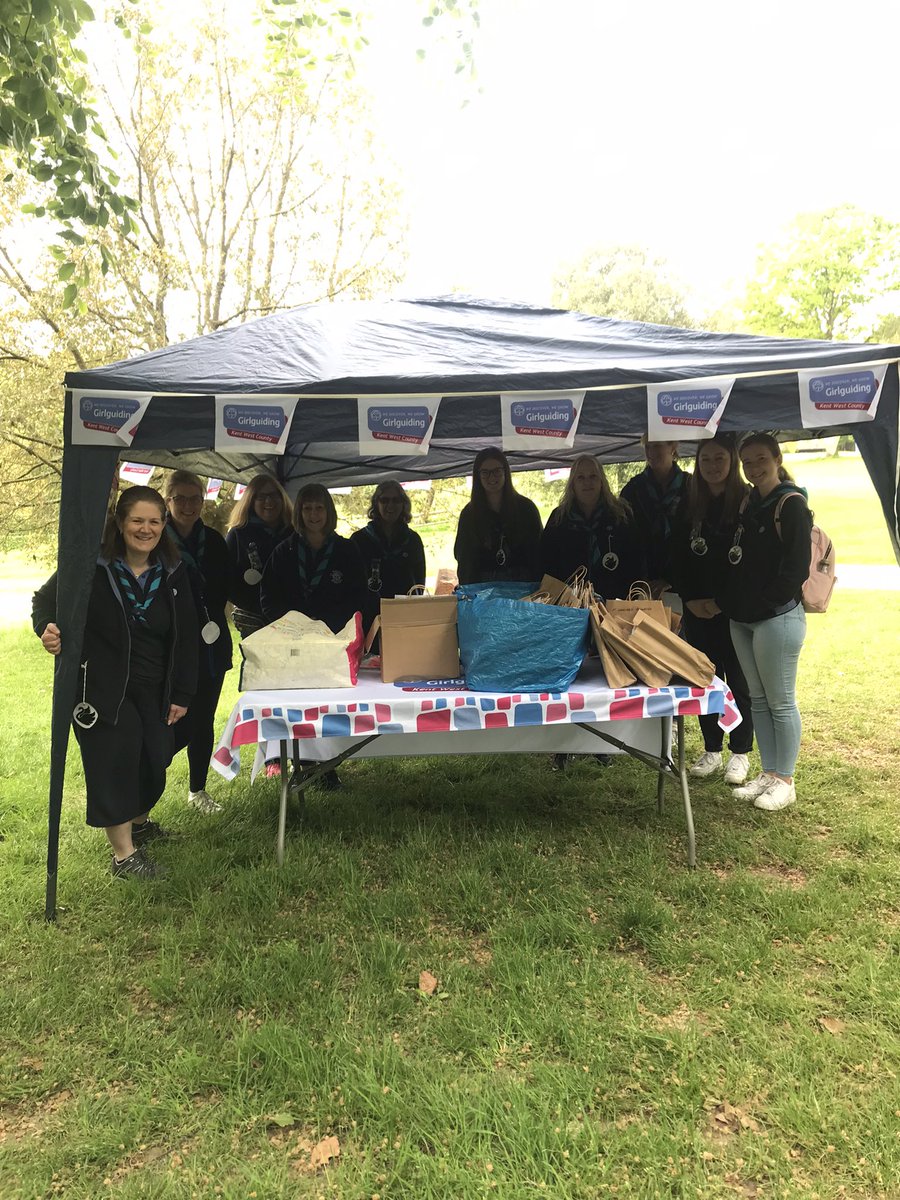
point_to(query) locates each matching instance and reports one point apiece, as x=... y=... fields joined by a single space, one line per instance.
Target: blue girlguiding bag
x=519 y=646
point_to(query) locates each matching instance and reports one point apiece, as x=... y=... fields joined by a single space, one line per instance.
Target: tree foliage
x=822 y=277
x=47 y=121
x=623 y=281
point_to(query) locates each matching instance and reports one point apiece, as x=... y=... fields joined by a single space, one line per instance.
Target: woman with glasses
x=205 y=555
x=392 y=553
x=138 y=674
x=499 y=531
x=259 y=521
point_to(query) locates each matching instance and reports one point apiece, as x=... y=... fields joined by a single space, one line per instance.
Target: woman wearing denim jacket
x=769 y=563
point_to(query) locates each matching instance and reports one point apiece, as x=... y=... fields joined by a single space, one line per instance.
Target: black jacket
x=391 y=568
x=253 y=539
x=701 y=576
x=106 y=648
x=210 y=583
x=477 y=550
x=654 y=511
x=568 y=543
x=772 y=569
x=339 y=593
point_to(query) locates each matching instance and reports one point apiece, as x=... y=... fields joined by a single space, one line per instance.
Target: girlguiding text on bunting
x=254 y=424
x=539 y=420
x=107 y=420
x=396 y=424
x=690 y=409
x=840 y=395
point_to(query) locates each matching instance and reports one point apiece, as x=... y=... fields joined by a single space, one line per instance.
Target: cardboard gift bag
x=418 y=638
x=684 y=660
x=617 y=672
x=640 y=600
x=619 y=637
x=297 y=652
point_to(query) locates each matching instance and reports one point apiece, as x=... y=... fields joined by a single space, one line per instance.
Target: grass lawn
x=605 y=1021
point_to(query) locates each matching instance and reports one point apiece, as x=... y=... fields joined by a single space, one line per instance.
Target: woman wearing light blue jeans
x=769 y=563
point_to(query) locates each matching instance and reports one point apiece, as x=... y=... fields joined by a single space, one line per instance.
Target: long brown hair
x=113 y=545
x=619 y=508
x=699 y=497
x=481 y=509
x=243 y=509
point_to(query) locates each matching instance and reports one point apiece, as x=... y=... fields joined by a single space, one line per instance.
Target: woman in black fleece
x=761 y=595
x=259 y=521
x=702 y=533
x=138 y=674
x=499 y=531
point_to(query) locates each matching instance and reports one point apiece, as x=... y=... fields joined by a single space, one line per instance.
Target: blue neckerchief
x=667 y=500
x=388 y=549
x=759 y=504
x=306 y=556
x=192 y=546
x=592 y=526
x=130 y=586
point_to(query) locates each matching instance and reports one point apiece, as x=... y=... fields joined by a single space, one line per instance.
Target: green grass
x=845 y=503
x=606 y=1022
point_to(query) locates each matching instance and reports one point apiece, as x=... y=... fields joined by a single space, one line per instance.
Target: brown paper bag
x=683 y=659
x=552 y=591
x=646 y=665
x=628 y=609
x=447 y=582
x=419 y=638
x=617 y=673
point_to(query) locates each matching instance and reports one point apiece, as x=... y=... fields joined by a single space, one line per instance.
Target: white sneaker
x=707 y=764
x=737 y=770
x=779 y=794
x=204 y=803
x=754 y=788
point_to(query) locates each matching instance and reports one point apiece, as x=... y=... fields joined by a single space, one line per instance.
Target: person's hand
x=703 y=609
x=176 y=712
x=51 y=640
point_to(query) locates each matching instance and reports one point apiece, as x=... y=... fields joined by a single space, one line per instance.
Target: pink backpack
x=816 y=592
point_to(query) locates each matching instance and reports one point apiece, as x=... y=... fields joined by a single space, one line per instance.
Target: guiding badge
x=85 y=715
x=252 y=576
x=210 y=632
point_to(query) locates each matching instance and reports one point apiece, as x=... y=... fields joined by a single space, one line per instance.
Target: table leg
x=685 y=793
x=665 y=752
x=282 y=808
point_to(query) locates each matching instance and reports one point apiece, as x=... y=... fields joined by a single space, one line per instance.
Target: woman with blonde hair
x=594 y=529
x=205 y=555
x=259 y=521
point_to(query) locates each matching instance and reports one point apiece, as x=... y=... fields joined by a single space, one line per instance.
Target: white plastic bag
x=297 y=652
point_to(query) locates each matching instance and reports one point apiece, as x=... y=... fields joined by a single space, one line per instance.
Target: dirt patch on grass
x=680 y=1019
x=792 y=877
x=18 y=1123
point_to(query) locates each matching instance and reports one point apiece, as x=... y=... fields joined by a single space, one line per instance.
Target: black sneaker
x=329 y=782
x=559 y=763
x=148 y=832
x=136 y=866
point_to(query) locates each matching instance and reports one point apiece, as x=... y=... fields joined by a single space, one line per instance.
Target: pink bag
x=816 y=592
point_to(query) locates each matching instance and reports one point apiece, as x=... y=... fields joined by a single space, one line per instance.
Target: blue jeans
x=768 y=652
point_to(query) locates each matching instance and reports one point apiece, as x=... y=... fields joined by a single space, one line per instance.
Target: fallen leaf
x=427 y=983
x=832 y=1025
x=323 y=1152
x=282 y=1119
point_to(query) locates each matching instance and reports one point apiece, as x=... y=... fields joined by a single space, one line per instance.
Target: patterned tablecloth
x=373 y=707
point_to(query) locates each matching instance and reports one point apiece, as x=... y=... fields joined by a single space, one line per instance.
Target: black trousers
x=195 y=729
x=125 y=764
x=714 y=639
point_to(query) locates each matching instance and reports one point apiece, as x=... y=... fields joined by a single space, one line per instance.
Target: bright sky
x=697 y=129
